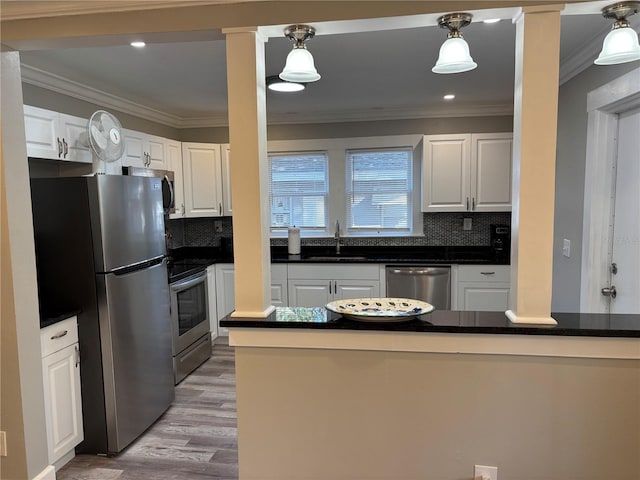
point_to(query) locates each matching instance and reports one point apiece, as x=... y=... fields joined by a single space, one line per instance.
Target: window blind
x=298 y=191
x=379 y=191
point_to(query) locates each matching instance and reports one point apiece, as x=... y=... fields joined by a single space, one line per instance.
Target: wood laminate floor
x=195 y=439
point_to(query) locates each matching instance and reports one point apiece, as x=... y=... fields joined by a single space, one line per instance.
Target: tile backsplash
x=438 y=229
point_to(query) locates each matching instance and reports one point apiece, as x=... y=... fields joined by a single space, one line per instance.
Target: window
x=298 y=192
x=379 y=191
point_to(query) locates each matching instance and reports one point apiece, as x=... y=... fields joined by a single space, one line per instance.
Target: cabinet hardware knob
x=59 y=335
x=59 y=147
x=329 y=287
x=473 y=203
x=467 y=203
x=487 y=273
x=66 y=147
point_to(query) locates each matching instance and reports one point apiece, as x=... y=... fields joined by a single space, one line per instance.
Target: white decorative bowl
x=380 y=309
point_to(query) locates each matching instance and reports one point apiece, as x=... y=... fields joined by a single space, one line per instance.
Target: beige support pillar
x=249 y=187
x=534 y=155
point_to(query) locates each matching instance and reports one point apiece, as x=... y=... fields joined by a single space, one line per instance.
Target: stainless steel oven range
x=190 y=323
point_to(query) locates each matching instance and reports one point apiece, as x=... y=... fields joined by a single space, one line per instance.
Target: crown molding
x=56 y=83
x=404 y=113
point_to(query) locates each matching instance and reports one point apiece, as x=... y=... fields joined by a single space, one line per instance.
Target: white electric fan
x=104 y=137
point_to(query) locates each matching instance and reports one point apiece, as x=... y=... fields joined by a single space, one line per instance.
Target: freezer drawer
x=430 y=284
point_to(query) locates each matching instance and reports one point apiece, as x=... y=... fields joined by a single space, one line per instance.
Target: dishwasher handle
x=419 y=270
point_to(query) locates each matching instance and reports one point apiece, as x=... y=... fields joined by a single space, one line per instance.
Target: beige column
x=534 y=155
x=249 y=187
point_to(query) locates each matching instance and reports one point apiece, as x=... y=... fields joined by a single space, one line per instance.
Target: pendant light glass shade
x=620 y=46
x=299 y=66
x=454 y=57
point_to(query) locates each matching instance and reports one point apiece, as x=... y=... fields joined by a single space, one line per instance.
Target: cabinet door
x=355 y=289
x=174 y=163
x=492 y=297
x=74 y=134
x=202 y=182
x=310 y=293
x=212 y=301
x=134 y=155
x=42 y=133
x=491 y=172
x=279 y=293
x=156 y=152
x=63 y=403
x=226 y=180
x=446 y=173
x=225 y=292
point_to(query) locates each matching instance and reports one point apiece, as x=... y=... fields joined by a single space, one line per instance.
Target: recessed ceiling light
x=491 y=20
x=275 y=83
x=449 y=96
x=138 y=44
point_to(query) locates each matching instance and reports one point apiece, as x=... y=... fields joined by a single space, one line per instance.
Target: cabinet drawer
x=334 y=271
x=484 y=273
x=58 y=336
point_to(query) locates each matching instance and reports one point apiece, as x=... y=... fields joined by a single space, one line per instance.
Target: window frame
x=352 y=231
x=280 y=232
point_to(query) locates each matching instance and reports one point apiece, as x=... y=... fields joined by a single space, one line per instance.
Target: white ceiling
x=368 y=75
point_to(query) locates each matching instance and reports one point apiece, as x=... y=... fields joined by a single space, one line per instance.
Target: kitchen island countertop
x=448 y=321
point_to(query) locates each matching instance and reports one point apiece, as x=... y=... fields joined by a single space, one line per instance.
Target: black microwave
x=168 y=184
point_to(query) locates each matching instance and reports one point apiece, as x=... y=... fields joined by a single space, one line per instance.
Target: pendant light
x=621 y=43
x=454 y=53
x=299 y=66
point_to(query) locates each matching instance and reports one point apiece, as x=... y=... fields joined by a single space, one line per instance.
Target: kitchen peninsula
x=320 y=396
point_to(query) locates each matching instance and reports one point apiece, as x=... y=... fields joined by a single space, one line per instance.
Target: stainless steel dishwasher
x=430 y=284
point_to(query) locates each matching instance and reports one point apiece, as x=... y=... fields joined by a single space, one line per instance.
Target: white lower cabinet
x=212 y=303
x=279 y=293
x=225 y=292
x=481 y=287
x=315 y=285
x=62 y=397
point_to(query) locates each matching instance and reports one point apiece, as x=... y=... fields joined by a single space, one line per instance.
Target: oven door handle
x=189 y=281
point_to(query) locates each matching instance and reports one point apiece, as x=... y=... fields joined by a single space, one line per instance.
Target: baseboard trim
x=49 y=473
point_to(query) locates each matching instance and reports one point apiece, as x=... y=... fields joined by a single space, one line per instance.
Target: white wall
x=570 y=170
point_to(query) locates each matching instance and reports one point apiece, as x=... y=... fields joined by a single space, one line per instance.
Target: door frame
x=603 y=106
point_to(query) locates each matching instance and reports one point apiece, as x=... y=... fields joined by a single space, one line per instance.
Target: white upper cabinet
x=491 y=171
x=56 y=136
x=144 y=150
x=226 y=179
x=445 y=173
x=466 y=172
x=202 y=179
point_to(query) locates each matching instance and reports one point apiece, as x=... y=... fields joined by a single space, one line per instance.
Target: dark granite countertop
x=390 y=255
x=449 y=321
x=53 y=316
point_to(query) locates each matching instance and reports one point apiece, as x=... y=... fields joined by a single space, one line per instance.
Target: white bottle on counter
x=294 y=241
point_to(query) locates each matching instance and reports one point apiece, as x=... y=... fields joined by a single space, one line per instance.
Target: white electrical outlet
x=566 y=248
x=217 y=226
x=466 y=223
x=484 y=472
x=3 y=444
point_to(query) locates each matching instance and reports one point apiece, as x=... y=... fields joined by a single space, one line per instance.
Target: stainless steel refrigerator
x=100 y=248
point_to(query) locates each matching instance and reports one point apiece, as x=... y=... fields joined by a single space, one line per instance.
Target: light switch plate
x=566 y=248
x=484 y=472
x=467 y=223
x=217 y=226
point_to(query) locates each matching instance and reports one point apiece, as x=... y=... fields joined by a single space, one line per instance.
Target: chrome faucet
x=337 y=237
